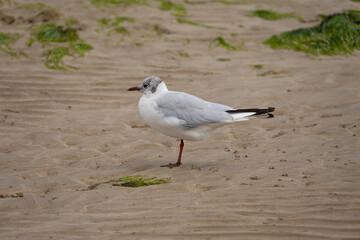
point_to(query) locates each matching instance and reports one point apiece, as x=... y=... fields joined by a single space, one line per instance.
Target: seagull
x=184 y=116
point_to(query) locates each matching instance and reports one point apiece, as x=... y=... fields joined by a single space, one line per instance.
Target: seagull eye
x=146 y=85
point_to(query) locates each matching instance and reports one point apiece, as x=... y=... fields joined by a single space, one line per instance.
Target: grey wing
x=192 y=110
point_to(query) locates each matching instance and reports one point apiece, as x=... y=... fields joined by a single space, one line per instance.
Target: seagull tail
x=244 y=114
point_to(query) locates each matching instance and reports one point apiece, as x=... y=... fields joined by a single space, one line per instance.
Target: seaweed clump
x=232 y=2
x=270 y=15
x=139 y=181
x=51 y=33
x=99 y=3
x=43 y=13
x=175 y=8
x=113 y=25
x=180 y=20
x=54 y=56
x=220 y=42
x=336 y=34
x=6 y=39
x=133 y=181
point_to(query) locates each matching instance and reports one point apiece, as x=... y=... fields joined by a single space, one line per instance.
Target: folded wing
x=191 y=110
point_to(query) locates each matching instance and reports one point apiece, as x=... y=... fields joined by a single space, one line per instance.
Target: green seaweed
x=355 y=0
x=336 y=34
x=71 y=21
x=139 y=181
x=223 y=59
x=182 y=53
x=50 y=32
x=12 y=111
x=113 y=25
x=43 y=13
x=99 y=3
x=37 y=6
x=160 y=30
x=92 y=187
x=175 y=8
x=195 y=2
x=54 y=56
x=180 y=20
x=107 y=22
x=139 y=44
x=119 y=20
x=270 y=15
x=233 y=2
x=270 y=72
x=6 y=39
x=133 y=181
x=80 y=48
x=258 y=66
x=121 y=30
x=355 y=14
x=104 y=21
x=220 y=42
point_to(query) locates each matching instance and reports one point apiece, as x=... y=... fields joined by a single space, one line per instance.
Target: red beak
x=134 y=89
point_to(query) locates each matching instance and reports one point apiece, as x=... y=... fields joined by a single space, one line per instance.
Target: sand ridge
x=291 y=177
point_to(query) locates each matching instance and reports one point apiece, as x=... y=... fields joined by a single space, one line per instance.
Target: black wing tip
x=271 y=109
x=257 y=111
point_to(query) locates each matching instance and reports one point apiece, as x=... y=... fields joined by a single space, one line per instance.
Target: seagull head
x=150 y=86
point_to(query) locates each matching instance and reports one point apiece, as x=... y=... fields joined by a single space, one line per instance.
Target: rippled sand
x=295 y=176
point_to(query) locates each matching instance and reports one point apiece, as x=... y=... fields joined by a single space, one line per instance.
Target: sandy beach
x=295 y=176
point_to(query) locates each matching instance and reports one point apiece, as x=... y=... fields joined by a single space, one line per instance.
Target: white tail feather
x=242 y=116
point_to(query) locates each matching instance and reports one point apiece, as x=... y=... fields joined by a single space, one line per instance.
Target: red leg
x=178 y=163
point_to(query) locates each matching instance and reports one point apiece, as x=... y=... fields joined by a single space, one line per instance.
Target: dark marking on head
x=151 y=83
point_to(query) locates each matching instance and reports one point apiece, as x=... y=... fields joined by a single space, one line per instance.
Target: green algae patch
x=50 y=32
x=121 y=30
x=43 y=13
x=270 y=72
x=270 y=15
x=195 y=2
x=258 y=66
x=113 y=25
x=140 y=181
x=11 y=111
x=54 y=57
x=180 y=20
x=133 y=181
x=92 y=187
x=6 y=39
x=106 y=22
x=220 y=42
x=71 y=21
x=175 y=8
x=336 y=34
x=223 y=59
x=99 y=3
x=182 y=53
x=225 y=2
x=37 y=6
